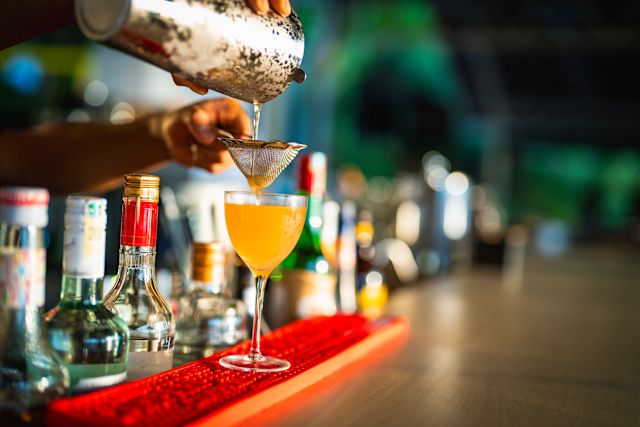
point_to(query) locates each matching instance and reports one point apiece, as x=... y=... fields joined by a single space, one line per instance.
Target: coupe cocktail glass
x=263 y=228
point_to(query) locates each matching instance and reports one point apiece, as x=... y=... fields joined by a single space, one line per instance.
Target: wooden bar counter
x=560 y=347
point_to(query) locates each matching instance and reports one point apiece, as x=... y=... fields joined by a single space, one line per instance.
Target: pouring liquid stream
x=261 y=162
x=254 y=180
x=257 y=107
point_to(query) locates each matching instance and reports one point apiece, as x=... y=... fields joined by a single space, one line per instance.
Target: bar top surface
x=560 y=348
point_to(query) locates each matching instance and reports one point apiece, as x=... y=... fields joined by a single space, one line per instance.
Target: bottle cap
x=139 y=224
x=24 y=206
x=24 y=196
x=313 y=173
x=147 y=187
x=80 y=209
x=208 y=261
x=85 y=221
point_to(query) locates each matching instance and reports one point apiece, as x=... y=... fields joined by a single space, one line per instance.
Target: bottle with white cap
x=30 y=372
x=91 y=340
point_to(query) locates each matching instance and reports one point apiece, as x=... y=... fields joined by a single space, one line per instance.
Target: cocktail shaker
x=219 y=44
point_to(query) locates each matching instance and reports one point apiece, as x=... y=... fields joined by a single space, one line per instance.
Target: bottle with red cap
x=308 y=283
x=30 y=372
x=135 y=296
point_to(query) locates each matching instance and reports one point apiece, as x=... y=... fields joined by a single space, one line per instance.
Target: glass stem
x=254 y=353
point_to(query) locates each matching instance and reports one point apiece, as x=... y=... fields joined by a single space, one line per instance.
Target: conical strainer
x=261 y=161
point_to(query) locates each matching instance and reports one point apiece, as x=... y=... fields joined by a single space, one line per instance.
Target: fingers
x=189 y=152
x=191 y=133
x=207 y=120
x=259 y=6
x=228 y=115
x=200 y=90
x=178 y=140
x=212 y=159
x=202 y=125
x=281 y=7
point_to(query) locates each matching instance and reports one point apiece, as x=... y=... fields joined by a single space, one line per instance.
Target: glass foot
x=245 y=363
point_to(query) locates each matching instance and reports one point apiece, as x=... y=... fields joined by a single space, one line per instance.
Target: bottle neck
x=315 y=218
x=22 y=266
x=83 y=261
x=84 y=245
x=139 y=222
x=314 y=210
x=81 y=290
x=208 y=268
x=136 y=273
x=136 y=266
x=22 y=237
x=137 y=258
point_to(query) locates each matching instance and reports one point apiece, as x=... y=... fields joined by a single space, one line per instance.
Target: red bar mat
x=203 y=393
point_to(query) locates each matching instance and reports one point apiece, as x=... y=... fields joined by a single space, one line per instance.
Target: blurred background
x=464 y=132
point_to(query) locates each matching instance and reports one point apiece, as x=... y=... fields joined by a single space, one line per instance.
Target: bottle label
x=309 y=293
x=84 y=247
x=22 y=277
x=139 y=223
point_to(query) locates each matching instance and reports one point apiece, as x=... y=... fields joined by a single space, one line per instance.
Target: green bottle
x=91 y=340
x=307 y=278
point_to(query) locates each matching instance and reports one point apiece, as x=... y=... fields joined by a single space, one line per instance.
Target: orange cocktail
x=263 y=228
x=263 y=235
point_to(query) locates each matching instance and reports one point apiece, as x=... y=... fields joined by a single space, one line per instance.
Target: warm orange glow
x=263 y=235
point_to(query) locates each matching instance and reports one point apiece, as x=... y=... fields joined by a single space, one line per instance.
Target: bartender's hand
x=190 y=134
x=281 y=7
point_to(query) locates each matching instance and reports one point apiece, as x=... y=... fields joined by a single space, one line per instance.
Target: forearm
x=25 y=19
x=72 y=158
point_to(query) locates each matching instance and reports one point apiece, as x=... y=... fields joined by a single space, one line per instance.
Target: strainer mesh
x=261 y=162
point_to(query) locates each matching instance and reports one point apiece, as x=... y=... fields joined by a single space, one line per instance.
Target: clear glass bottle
x=135 y=296
x=30 y=373
x=91 y=340
x=210 y=319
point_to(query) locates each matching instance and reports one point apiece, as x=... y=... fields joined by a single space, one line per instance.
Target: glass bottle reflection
x=135 y=296
x=90 y=339
x=209 y=319
x=30 y=373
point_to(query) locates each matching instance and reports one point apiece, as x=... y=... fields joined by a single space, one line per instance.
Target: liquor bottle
x=210 y=320
x=30 y=372
x=364 y=245
x=91 y=340
x=372 y=292
x=347 y=258
x=135 y=296
x=307 y=278
x=373 y=295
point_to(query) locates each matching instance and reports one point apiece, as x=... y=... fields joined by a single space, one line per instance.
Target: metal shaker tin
x=219 y=44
